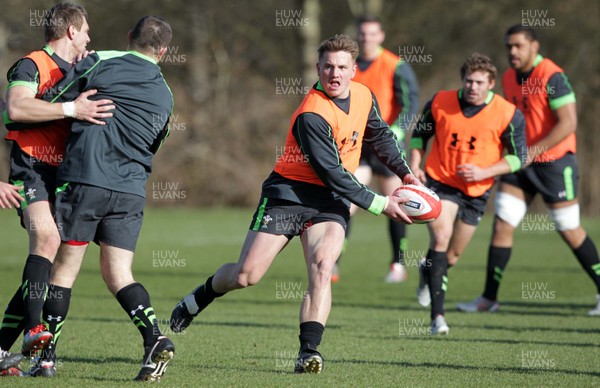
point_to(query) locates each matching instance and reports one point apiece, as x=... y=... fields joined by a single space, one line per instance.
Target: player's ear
x=492 y=84
x=535 y=45
x=71 y=30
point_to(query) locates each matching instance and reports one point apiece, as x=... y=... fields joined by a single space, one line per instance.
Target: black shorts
x=281 y=217
x=556 y=182
x=470 y=209
x=89 y=213
x=368 y=158
x=37 y=178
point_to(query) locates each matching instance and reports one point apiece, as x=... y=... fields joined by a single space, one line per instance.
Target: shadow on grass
x=483 y=340
x=467 y=367
x=292 y=325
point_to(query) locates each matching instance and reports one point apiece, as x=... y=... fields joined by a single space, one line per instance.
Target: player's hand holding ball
x=419 y=203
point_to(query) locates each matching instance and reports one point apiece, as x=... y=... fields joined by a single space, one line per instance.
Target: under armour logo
x=352 y=139
x=455 y=141
x=524 y=105
x=51 y=318
x=140 y=308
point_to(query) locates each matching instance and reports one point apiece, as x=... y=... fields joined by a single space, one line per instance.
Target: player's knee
x=46 y=242
x=322 y=269
x=565 y=218
x=453 y=258
x=441 y=239
x=510 y=209
x=247 y=279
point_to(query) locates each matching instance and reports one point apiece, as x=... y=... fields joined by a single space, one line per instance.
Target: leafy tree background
x=228 y=58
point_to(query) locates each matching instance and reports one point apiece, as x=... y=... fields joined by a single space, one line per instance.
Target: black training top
x=116 y=156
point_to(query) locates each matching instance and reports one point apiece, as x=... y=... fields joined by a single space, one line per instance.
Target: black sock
x=56 y=309
x=136 y=302
x=438 y=281
x=310 y=335
x=497 y=261
x=12 y=323
x=204 y=295
x=587 y=255
x=399 y=242
x=35 y=284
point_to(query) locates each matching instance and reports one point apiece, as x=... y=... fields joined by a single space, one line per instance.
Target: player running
x=395 y=86
x=542 y=91
x=312 y=182
x=472 y=127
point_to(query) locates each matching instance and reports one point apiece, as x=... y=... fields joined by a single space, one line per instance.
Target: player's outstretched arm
x=23 y=107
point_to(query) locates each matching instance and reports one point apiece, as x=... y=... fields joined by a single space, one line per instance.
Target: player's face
x=521 y=52
x=370 y=37
x=336 y=69
x=81 y=37
x=476 y=86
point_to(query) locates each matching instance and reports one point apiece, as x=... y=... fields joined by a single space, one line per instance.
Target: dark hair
x=520 y=29
x=151 y=33
x=60 y=17
x=478 y=62
x=368 y=19
x=340 y=42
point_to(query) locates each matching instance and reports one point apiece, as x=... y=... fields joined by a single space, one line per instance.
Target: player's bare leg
x=435 y=271
x=322 y=244
x=257 y=255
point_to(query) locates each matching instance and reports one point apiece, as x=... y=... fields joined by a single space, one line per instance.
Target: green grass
x=376 y=334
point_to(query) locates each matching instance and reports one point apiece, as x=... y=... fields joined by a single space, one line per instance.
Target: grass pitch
x=377 y=335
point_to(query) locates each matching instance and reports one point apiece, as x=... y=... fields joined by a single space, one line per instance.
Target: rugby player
x=542 y=90
x=312 y=182
x=472 y=127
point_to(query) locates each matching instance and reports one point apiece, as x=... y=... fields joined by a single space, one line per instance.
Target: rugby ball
x=423 y=204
